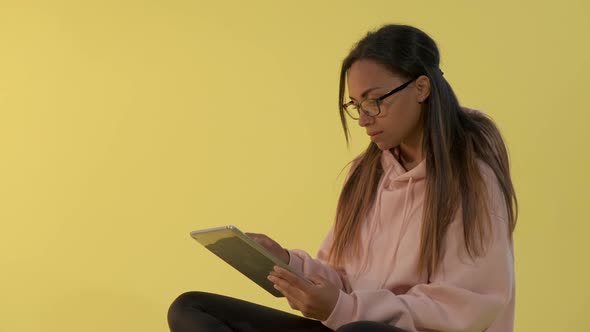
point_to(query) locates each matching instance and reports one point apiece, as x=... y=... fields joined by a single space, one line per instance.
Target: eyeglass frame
x=377 y=100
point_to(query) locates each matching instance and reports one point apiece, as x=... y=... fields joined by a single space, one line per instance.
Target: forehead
x=365 y=74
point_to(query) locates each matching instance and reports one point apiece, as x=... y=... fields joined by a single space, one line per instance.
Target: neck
x=411 y=152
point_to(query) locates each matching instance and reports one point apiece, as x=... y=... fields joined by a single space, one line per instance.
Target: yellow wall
x=126 y=124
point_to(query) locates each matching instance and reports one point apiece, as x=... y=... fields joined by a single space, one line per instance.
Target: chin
x=384 y=146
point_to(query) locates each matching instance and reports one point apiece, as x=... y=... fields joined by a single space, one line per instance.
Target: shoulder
x=495 y=195
x=472 y=111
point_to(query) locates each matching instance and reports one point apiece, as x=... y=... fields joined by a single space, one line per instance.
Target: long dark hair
x=453 y=142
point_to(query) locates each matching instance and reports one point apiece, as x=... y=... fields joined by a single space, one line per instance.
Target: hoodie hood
x=395 y=172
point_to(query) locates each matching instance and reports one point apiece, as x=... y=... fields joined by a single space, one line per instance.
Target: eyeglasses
x=370 y=106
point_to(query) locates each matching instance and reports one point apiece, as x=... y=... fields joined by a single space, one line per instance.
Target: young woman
x=422 y=239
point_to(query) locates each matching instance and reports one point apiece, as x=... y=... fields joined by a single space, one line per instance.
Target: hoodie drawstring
x=408 y=188
x=405 y=224
x=373 y=225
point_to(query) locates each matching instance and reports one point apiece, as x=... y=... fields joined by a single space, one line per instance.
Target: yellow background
x=124 y=125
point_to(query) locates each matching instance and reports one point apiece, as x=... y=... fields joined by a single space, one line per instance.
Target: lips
x=374 y=133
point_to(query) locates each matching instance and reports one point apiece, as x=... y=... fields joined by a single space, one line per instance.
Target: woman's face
x=399 y=120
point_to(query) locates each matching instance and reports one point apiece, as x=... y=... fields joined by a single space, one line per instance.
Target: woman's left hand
x=315 y=300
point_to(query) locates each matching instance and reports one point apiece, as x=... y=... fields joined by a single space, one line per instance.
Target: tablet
x=243 y=253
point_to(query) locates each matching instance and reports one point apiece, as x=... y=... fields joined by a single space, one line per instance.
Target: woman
x=422 y=239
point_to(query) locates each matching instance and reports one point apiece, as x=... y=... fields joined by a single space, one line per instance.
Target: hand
x=271 y=246
x=315 y=300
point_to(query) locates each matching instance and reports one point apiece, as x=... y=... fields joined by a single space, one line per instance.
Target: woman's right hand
x=271 y=245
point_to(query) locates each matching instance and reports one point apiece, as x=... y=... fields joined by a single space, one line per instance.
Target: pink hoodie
x=463 y=295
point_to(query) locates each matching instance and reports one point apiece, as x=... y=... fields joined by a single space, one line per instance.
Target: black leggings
x=207 y=312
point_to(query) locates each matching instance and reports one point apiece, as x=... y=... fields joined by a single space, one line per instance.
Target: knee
x=179 y=307
x=354 y=327
x=364 y=326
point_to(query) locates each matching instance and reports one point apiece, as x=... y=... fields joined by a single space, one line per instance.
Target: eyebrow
x=364 y=94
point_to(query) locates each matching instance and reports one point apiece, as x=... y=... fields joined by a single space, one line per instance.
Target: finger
x=293 y=301
x=286 y=287
x=296 y=297
x=292 y=304
x=281 y=282
x=308 y=314
x=292 y=278
x=258 y=235
x=253 y=236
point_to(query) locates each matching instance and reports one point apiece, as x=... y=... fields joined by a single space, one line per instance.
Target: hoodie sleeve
x=464 y=294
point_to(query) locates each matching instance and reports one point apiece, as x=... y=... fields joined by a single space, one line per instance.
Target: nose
x=364 y=119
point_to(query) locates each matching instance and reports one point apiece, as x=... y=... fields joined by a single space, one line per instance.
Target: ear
x=422 y=88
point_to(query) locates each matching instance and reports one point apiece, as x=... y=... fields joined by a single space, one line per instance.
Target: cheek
x=401 y=119
x=410 y=118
